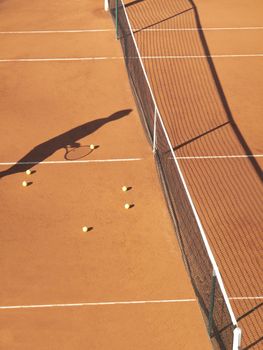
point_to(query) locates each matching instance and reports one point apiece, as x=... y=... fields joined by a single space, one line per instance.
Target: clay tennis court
x=122 y=284
x=205 y=64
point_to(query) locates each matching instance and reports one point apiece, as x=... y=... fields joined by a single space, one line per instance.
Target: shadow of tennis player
x=71 y=137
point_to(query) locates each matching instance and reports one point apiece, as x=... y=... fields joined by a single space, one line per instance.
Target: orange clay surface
x=127 y=255
x=213 y=107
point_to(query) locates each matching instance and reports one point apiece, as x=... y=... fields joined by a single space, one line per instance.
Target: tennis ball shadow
x=29 y=183
x=90 y=229
x=132 y=206
x=129 y=188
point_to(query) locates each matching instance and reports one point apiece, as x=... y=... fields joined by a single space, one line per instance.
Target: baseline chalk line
x=107 y=303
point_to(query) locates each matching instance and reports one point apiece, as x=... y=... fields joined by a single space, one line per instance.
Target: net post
x=237 y=338
x=212 y=304
x=116 y=18
x=106 y=5
x=154 y=130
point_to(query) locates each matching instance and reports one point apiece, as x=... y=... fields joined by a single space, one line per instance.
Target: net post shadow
x=133 y=3
x=260 y=339
x=161 y=21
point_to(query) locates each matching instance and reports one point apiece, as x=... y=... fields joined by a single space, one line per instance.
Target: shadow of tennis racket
x=77 y=151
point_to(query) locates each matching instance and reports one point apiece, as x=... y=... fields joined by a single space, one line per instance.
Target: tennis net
x=198 y=258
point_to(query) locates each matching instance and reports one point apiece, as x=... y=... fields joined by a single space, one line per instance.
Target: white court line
x=107 y=303
x=169 y=301
x=222 y=157
x=61 y=59
x=111 y=30
x=198 y=29
x=247 y=298
x=72 y=59
x=203 y=56
x=58 y=31
x=114 y=160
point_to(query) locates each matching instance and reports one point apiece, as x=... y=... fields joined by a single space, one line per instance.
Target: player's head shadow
x=71 y=137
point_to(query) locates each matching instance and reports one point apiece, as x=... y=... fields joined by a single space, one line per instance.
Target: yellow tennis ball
x=28 y=172
x=127 y=206
x=24 y=183
x=124 y=188
x=85 y=228
x=92 y=146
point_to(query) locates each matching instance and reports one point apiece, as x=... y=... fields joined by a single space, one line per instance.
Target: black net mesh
x=192 y=245
x=139 y=84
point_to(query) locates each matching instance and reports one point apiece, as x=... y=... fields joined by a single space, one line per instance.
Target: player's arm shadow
x=72 y=137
